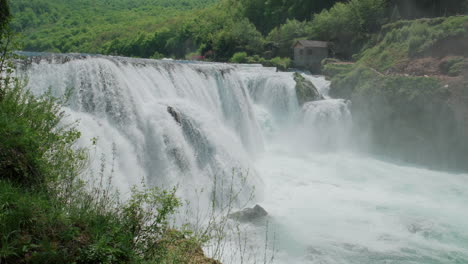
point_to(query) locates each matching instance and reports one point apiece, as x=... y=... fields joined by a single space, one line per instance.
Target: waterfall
x=191 y=124
x=170 y=123
x=327 y=124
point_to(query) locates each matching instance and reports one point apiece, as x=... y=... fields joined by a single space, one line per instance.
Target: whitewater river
x=190 y=124
x=339 y=208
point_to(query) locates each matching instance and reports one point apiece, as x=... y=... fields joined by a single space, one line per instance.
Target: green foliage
x=239 y=57
x=280 y=63
x=166 y=28
x=413 y=9
x=239 y=36
x=4 y=14
x=456 y=69
x=453 y=66
x=211 y=32
x=91 y=25
x=36 y=228
x=268 y=14
x=284 y=36
x=405 y=39
x=349 y=24
x=333 y=69
x=35 y=146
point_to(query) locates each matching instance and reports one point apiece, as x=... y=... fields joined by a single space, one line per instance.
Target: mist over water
x=191 y=123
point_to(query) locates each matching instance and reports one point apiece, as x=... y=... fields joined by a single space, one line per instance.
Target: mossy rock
x=407 y=118
x=305 y=90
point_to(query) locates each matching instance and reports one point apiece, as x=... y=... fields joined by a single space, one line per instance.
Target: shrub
x=157 y=56
x=255 y=59
x=36 y=228
x=36 y=144
x=414 y=44
x=239 y=57
x=281 y=63
x=452 y=66
x=456 y=69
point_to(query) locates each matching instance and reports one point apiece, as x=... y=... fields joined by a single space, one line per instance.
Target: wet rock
x=174 y=114
x=249 y=214
x=305 y=90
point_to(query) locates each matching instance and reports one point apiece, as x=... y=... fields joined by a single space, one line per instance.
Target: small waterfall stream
x=190 y=124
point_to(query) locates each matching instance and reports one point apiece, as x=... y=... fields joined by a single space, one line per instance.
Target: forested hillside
x=87 y=25
x=259 y=30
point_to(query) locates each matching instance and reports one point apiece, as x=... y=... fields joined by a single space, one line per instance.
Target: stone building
x=309 y=54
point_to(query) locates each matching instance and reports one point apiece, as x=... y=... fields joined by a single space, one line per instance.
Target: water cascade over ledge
x=191 y=124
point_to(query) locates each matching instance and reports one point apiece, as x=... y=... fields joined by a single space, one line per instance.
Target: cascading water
x=171 y=123
x=186 y=123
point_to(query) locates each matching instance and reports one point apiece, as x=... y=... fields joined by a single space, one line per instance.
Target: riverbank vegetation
x=203 y=29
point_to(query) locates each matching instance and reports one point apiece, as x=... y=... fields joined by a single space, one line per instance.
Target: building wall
x=299 y=56
x=309 y=58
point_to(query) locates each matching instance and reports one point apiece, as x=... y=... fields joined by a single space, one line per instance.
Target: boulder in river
x=305 y=90
x=174 y=114
x=249 y=214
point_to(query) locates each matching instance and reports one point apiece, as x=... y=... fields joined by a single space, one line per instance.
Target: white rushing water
x=190 y=124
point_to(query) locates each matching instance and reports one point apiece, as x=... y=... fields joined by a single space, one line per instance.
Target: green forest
x=214 y=29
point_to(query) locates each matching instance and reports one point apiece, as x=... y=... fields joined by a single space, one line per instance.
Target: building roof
x=312 y=43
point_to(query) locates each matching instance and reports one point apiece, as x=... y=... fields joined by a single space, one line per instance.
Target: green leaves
x=349 y=24
x=36 y=144
x=91 y=26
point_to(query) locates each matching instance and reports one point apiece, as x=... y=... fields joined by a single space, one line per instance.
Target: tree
x=395 y=14
x=282 y=37
x=411 y=9
x=4 y=14
x=349 y=24
x=268 y=14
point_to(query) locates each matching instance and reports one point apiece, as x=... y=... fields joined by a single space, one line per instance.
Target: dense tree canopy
x=410 y=9
x=88 y=25
x=267 y=14
x=187 y=28
x=4 y=14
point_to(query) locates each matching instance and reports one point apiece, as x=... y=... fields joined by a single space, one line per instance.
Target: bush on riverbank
x=281 y=64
